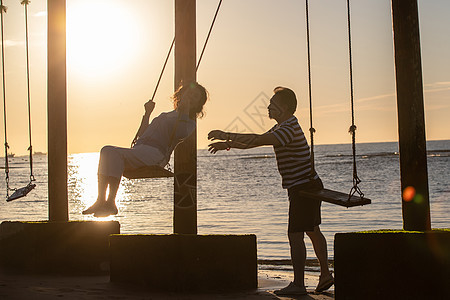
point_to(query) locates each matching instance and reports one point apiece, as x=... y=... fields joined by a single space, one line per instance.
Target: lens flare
x=418 y=199
x=409 y=193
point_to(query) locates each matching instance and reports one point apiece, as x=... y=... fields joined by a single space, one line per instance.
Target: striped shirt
x=293 y=155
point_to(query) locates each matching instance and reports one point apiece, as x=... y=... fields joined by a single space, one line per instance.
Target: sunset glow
x=116 y=49
x=101 y=37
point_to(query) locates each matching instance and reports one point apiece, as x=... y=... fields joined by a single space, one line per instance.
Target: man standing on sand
x=294 y=164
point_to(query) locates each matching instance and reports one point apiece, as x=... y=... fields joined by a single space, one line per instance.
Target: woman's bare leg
x=101 y=198
x=109 y=207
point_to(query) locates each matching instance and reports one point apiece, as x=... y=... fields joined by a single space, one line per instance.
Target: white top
x=159 y=132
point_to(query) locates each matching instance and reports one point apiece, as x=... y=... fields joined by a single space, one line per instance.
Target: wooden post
x=185 y=183
x=57 y=113
x=411 y=120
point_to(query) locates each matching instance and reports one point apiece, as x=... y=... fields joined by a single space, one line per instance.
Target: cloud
x=12 y=43
x=435 y=87
x=383 y=96
x=437 y=84
x=372 y=103
x=436 y=107
x=437 y=90
x=40 y=14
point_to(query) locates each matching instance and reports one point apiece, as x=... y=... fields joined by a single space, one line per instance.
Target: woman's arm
x=149 y=106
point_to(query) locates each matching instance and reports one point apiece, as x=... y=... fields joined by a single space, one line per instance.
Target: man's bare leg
x=320 y=248
x=298 y=256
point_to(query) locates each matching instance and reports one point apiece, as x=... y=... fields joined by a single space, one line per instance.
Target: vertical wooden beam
x=57 y=111
x=411 y=120
x=185 y=184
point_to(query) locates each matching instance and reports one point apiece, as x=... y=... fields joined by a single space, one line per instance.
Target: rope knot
x=3 y=9
x=312 y=130
x=352 y=129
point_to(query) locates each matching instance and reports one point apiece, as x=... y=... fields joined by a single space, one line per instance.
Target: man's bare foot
x=93 y=208
x=108 y=209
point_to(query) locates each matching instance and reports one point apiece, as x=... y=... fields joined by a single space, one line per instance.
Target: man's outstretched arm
x=240 y=140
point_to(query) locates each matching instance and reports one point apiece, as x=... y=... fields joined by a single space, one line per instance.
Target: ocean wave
x=368 y=155
x=438 y=153
x=258 y=157
x=280 y=263
x=432 y=153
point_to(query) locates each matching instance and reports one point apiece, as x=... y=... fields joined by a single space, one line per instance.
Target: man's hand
x=149 y=106
x=217 y=135
x=214 y=147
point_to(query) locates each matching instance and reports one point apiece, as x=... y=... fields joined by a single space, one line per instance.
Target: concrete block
x=185 y=262
x=392 y=265
x=56 y=247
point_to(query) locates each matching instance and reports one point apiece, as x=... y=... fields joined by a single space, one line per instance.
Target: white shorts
x=115 y=160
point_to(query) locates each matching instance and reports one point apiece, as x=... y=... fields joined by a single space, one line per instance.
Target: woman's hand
x=217 y=135
x=214 y=147
x=149 y=106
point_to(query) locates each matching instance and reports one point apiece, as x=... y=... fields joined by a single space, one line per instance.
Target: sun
x=102 y=37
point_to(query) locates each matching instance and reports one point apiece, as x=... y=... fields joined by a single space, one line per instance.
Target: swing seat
x=148 y=172
x=22 y=192
x=335 y=197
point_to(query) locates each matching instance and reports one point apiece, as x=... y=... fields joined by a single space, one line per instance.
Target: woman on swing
x=153 y=144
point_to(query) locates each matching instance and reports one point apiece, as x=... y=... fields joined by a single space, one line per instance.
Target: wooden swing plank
x=22 y=192
x=148 y=172
x=335 y=197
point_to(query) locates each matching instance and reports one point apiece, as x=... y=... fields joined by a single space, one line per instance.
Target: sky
x=116 y=49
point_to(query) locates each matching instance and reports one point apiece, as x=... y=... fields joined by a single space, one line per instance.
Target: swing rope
x=209 y=33
x=352 y=129
x=2 y=11
x=163 y=68
x=311 y=128
x=21 y=192
x=25 y=3
x=157 y=85
x=168 y=56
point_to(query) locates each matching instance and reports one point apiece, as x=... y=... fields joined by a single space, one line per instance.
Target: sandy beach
x=19 y=287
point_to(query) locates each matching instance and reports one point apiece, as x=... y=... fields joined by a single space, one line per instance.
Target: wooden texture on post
x=411 y=119
x=57 y=116
x=185 y=157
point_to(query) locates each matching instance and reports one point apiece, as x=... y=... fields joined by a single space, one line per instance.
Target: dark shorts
x=304 y=213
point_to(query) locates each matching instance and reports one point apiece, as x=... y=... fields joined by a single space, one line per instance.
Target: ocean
x=239 y=192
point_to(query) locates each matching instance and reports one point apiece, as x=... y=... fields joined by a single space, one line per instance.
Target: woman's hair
x=287 y=96
x=196 y=107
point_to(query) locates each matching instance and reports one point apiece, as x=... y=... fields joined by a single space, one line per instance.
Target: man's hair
x=287 y=96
